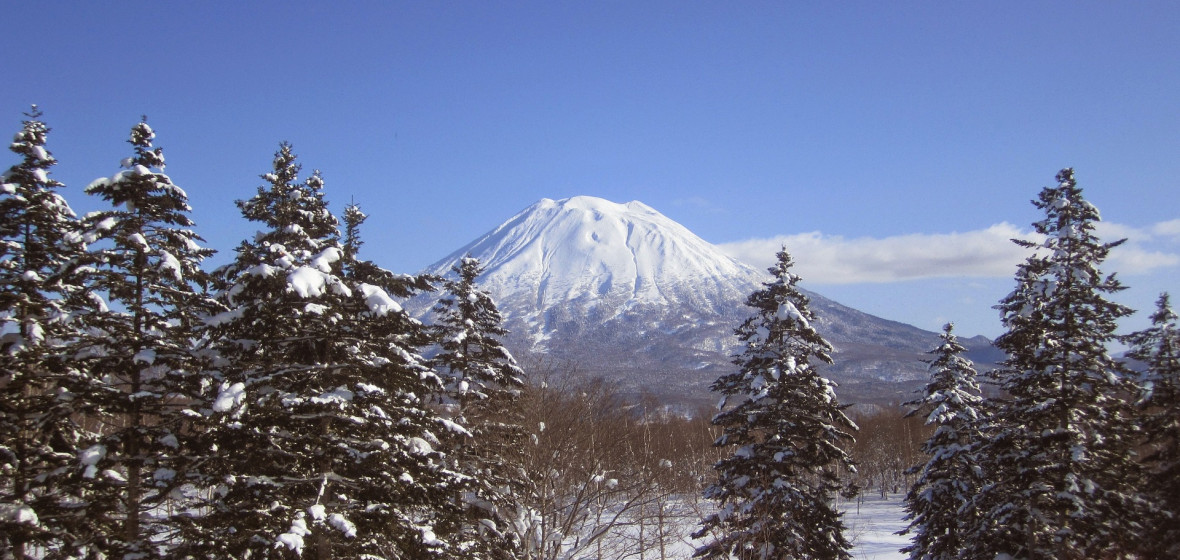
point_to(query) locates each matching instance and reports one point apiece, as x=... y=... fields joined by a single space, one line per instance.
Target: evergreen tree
x=483 y=383
x=353 y=218
x=475 y=365
x=946 y=484
x=39 y=438
x=1063 y=481
x=140 y=351
x=321 y=443
x=775 y=493
x=1158 y=348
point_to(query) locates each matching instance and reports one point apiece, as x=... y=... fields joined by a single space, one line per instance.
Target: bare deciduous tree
x=613 y=479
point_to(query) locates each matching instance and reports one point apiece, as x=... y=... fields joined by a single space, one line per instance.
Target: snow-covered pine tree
x=1158 y=348
x=948 y=481
x=483 y=386
x=775 y=495
x=140 y=352
x=321 y=443
x=474 y=363
x=1063 y=481
x=40 y=237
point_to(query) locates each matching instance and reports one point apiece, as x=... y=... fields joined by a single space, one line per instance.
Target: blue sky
x=894 y=146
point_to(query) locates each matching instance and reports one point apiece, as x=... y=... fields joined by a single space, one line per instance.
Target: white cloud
x=1146 y=249
x=1131 y=260
x=1169 y=228
x=833 y=259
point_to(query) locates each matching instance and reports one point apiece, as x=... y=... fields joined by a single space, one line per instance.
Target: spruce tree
x=140 y=351
x=321 y=444
x=353 y=218
x=775 y=494
x=949 y=480
x=1063 y=480
x=40 y=241
x=1158 y=349
x=474 y=363
x=483 y=386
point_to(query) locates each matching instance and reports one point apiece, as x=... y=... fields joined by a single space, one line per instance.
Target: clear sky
x=894 y=146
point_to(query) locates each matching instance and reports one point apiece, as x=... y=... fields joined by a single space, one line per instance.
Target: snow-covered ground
x=872 y=529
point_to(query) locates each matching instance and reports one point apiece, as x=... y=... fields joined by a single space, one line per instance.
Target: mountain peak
x=588 y=247
x=600 y=205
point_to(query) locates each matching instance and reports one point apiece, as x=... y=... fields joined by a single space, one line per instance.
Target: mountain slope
x=623 y=292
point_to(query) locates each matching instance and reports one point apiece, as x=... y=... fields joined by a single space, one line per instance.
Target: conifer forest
x=287 y=406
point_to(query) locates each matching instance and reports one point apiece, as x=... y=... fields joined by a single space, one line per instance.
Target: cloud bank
x=985 y=253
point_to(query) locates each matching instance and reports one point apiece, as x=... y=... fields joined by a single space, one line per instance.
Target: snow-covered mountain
x=602 y=258
x=623 y=292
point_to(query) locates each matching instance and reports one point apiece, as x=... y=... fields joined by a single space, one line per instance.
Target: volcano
x=622 y=292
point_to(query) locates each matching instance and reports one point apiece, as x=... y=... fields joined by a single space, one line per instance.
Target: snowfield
x=873 y=526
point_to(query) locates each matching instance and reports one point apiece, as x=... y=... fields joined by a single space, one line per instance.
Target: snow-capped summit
x=587 y=248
